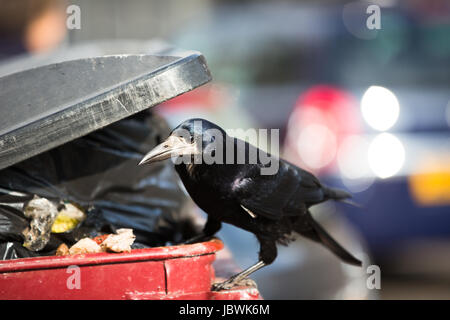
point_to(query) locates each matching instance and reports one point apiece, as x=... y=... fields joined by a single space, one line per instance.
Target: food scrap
x=85 y=245
x=42 y=213
x=63 y=250
x=69 y=216
x=100 y=239
x=119 y=242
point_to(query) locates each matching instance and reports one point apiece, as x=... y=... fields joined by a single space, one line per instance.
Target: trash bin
x=175 y=272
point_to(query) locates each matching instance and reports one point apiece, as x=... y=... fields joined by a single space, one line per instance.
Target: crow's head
x=194 y=137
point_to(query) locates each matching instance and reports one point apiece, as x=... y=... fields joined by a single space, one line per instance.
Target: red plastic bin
x=176 y=272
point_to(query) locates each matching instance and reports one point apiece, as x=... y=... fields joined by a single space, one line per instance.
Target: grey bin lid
x=44 y=107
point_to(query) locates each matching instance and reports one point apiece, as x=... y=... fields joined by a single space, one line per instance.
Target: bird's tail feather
x=322 y=236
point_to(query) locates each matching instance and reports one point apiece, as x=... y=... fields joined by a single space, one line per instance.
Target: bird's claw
x=222 y=286
x=230 y=283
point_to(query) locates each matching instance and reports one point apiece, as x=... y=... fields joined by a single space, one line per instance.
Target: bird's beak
x=172 y=147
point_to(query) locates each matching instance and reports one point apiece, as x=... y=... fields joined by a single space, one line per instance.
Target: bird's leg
x=211 y=227
x=267 y=255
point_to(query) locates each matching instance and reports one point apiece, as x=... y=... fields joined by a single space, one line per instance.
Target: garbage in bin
x=98 y=173
x=119 y=242
x=42 y=213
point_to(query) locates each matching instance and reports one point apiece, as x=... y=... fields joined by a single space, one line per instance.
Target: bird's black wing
x=286 y=193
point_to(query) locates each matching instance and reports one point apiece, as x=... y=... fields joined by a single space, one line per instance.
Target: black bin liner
x=99 y=172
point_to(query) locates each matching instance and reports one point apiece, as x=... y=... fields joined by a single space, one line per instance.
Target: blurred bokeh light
x=380 y=108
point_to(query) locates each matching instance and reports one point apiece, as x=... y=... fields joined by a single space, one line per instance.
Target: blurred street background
x=364 y=107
